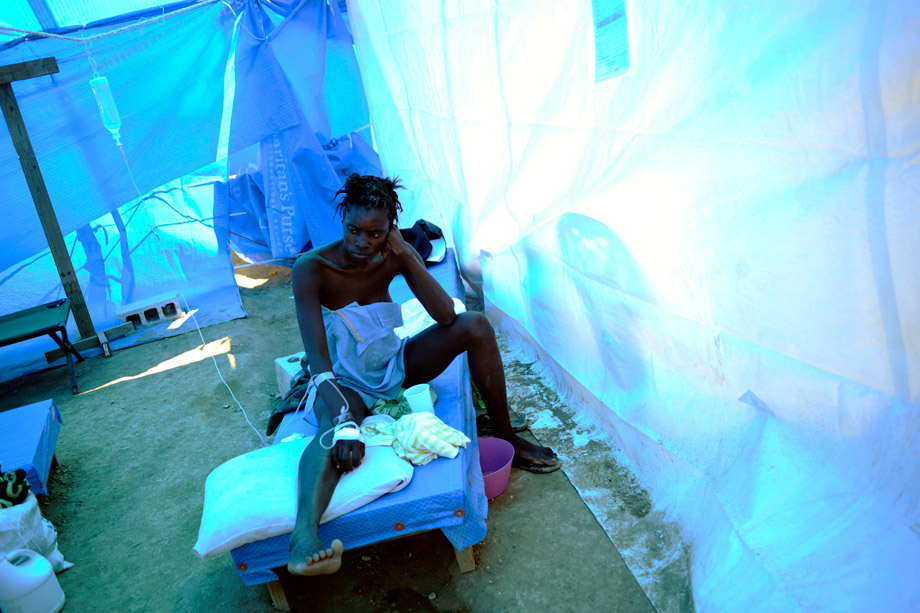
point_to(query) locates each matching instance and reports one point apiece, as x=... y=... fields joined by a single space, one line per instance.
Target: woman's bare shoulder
x=310 y=269
x=319 y=257
x=331 y=252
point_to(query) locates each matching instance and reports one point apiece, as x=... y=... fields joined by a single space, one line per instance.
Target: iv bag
x=107 y=108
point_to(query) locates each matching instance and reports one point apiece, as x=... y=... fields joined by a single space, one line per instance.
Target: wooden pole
x=17 y=127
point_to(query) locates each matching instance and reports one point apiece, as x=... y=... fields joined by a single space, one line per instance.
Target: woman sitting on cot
x=350 y=279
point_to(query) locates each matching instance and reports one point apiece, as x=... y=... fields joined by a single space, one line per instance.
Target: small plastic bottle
x=28 y=584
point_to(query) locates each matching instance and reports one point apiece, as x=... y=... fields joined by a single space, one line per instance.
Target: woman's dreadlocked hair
x=370 y=192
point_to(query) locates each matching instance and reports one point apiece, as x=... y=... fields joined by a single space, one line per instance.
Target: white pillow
x=254 y=496
x=416 y=318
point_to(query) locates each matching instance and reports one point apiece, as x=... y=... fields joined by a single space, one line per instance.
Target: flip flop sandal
x=484 y=425
x=534 y=467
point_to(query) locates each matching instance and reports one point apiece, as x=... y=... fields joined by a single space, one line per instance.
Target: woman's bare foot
x=323 y=561
x=532 y=457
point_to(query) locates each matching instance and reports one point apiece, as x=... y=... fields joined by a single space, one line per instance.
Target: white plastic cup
x=419 y=398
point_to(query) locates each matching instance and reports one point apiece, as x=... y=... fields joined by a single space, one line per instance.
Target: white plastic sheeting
x=721 y=243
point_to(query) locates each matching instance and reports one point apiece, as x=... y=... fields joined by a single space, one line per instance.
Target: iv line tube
x=112 y=121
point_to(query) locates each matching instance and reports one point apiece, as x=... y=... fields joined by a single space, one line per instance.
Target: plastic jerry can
x=28 y=584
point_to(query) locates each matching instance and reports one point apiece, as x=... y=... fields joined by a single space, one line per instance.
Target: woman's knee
x=476 y=326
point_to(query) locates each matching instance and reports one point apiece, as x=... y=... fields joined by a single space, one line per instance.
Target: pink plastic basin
x=495 y=457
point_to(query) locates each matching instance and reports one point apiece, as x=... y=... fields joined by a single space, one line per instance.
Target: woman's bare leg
x=432 y=350
x=317 y=477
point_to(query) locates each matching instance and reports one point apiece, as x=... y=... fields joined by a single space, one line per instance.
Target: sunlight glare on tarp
x=17 y=15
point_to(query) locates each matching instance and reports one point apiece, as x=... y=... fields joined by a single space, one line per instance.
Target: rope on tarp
x=141 y=22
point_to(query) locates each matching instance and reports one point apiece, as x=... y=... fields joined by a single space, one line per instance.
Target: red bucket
x=495 y=457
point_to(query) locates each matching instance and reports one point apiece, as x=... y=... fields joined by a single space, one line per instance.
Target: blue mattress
x=446 y=494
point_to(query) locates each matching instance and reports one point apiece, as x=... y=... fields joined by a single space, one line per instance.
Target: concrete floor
x=148 y=427
x=651 y=546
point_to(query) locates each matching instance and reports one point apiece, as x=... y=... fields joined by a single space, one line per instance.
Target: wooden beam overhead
x=28 y=70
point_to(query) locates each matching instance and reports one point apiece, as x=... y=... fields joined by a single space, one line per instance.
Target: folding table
x=50 y=319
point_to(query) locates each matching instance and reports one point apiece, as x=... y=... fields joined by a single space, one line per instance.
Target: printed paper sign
x=611 y=39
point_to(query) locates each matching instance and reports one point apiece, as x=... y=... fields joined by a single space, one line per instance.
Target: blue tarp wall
x=196 y=86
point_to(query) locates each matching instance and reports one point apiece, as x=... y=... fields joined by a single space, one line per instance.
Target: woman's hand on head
x=396 y=244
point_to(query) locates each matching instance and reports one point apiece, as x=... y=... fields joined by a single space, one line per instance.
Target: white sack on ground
x=721 y=244
x=23 y=527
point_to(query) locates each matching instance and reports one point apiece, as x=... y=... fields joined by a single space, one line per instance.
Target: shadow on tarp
x=178 y=249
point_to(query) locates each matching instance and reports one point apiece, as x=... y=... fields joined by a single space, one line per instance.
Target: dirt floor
x=152 y=422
